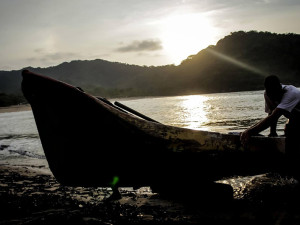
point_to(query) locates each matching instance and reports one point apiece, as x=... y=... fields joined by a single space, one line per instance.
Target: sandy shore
x=15 y=108
x=31 y=196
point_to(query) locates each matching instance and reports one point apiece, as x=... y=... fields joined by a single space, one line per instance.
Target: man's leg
x=292 y=148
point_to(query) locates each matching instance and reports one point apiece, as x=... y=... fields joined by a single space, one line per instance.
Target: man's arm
x=269 y=108
x=273 y=127
x=262 y=125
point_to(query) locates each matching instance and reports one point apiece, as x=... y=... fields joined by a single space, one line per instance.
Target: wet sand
x=15 y=108
x=31 y=195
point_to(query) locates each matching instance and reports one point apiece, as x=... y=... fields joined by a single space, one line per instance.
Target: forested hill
x=239 y=61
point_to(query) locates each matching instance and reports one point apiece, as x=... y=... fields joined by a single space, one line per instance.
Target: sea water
x=19 y=140
x=221 y=112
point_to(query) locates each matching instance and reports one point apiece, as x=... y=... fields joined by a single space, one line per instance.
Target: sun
x=184 y=35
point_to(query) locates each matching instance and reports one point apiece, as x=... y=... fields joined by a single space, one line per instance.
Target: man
x=280 y=100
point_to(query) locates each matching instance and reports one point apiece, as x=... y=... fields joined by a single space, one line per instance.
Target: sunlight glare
x=194 y=111
x=185 y=35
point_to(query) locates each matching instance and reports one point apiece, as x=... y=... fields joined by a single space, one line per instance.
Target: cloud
x=144 y=45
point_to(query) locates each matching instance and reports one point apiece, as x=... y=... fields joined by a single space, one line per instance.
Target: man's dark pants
x=292 y=148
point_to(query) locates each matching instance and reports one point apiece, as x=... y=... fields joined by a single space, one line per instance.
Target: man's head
x=273 y=87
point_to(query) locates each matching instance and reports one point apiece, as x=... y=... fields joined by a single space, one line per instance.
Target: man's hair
x=271 y=82
x=273 y=86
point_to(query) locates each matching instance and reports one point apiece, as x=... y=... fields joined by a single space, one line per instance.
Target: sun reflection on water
x=194 y=110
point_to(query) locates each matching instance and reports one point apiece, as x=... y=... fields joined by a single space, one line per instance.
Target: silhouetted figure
x=281 y=100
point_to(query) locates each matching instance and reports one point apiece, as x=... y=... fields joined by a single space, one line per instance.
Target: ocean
x=220 y=112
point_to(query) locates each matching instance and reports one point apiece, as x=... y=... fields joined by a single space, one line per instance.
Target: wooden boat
x=89 y=142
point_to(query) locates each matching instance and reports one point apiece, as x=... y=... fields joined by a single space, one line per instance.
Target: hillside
x=239 y=61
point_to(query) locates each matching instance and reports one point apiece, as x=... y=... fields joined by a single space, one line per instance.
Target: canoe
x=89 y=141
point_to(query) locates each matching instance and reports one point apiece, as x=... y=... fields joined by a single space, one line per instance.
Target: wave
x=27 y=153
x=21 y=145
x=19 y=136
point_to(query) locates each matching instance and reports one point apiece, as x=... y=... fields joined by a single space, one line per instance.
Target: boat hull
x=88 y=142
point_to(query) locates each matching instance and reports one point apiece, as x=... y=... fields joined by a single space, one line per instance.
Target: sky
x=42 y=33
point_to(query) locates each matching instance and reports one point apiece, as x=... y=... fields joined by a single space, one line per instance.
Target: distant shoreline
x=15 y=108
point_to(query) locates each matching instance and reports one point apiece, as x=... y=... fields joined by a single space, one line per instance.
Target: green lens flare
x=115 y=181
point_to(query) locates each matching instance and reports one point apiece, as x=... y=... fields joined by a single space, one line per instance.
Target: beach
x=15 y=108
x=30 y=194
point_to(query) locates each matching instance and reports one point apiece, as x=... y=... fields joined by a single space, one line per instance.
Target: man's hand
x=245 y=136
